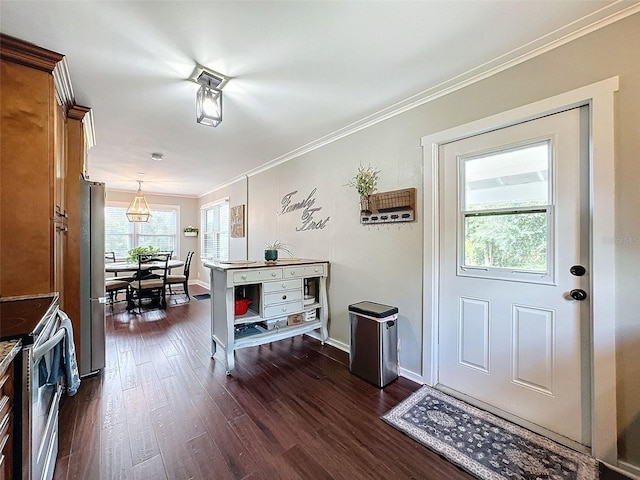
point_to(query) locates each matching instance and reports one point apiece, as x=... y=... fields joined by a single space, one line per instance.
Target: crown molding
x=568 y=33
x=28 y=54
x=89 y=130
x=149 y=192
x=77 y=112
x=63 y=88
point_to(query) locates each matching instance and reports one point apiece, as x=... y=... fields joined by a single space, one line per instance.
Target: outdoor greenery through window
x=121 y=235
x=506 y=207
x=215 y=231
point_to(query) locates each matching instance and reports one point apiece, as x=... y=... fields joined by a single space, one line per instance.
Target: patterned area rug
x=483 y=444
x=202 y=296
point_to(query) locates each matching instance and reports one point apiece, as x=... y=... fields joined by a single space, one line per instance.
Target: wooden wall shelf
x=390 y=207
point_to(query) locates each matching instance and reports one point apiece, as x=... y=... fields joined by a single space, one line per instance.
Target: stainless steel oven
x=36 y=320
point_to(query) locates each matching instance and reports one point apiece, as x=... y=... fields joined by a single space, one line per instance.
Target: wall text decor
x=309 y=222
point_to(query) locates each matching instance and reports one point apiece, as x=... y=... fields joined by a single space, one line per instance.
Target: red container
x=242 y=305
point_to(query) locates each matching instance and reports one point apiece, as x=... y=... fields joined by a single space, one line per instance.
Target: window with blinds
x=215 y=231
x=121 y=235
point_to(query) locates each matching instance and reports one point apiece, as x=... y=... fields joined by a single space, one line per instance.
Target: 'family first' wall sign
x=309 y=222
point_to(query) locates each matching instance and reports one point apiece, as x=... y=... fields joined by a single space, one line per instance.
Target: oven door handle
x=40 y=350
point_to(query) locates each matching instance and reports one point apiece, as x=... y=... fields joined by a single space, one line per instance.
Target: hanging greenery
x=365 y=181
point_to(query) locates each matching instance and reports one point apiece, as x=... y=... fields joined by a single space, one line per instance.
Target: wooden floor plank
x=152 y=468
x=142 y=438
x=116 y=453
x=207 y=458
x=164 y=409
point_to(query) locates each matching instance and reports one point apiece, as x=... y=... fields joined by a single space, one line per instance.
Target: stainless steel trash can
x=374 y=342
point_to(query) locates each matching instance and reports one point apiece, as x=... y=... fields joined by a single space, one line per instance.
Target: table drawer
x=314 y=270
x=282 y=309
x=269 y=287
x=281 y=297
x=304 y=271
x=254 y=276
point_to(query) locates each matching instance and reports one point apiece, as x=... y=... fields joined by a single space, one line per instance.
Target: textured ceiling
x=301 y=71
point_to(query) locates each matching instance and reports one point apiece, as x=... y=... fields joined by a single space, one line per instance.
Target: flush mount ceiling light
x=209 y=96
x=139 y=210
x=158 y=157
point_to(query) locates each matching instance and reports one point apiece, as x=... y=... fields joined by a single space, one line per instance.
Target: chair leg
x=186 y=291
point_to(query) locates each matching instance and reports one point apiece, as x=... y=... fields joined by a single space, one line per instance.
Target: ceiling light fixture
x=209 y=96
x=139 y=210
x=158 y=157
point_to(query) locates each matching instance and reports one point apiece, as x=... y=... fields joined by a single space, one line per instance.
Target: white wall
x=384 y=263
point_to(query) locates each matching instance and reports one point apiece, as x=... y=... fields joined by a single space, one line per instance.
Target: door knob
x=578 y=294
x=578 y=270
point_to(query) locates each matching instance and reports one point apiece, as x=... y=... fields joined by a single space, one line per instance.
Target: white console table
x=277 y=292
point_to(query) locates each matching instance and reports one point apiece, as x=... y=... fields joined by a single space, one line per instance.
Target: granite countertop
x=8 y=351
x=235 y=264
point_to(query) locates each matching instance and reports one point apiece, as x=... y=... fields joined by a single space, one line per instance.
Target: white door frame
x=599 y=97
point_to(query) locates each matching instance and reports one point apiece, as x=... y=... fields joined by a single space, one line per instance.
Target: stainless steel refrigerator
x=92 y=292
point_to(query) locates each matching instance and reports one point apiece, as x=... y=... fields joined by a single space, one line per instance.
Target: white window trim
x=546 y=277
x=599 y=97
x=208 y=206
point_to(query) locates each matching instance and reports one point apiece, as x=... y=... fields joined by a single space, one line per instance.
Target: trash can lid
x=373 y=309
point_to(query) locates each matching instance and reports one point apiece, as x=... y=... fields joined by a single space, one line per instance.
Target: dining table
x=122 y=267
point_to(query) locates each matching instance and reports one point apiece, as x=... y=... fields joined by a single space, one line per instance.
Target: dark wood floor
x=163 y=409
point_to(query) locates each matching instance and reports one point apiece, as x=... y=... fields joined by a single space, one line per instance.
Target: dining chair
x=113 y=286
x=150 y=282
x=181 y=279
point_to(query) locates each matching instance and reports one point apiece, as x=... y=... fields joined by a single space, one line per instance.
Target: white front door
x=514 y=331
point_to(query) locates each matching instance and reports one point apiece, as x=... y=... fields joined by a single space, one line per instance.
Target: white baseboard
x=627 y=469
x=200 y=283
x=330 y=341
x=408 y=374
x=413 y=376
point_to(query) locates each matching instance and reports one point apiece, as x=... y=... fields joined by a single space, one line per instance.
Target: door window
x=505 y=226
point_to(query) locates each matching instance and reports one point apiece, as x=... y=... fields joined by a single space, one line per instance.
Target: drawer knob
x=284 y=297
x=315 y=270
x=284 y=284
x=244 y=277
x=273 y=274
x=293 y=273
x=284 y=309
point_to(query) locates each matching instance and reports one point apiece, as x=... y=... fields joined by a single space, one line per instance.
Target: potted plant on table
x=271 y=251
x=134 y=252
x=365 y=183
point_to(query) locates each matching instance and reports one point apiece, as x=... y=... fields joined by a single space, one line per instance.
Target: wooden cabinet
x=287 y=299
x=43 y=150
x=8 y=352
x=27 y=107
x=44 y=139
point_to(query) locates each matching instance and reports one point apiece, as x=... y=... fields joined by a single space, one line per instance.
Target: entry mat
x=202 y=296
x=481 y=443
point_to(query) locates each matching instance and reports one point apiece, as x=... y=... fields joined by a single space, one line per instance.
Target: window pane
x=118 y=231
x=517 y=241
x=162 y=222
x=215 y=232
x=509 y=178
x=121 y=235
x=165 y=243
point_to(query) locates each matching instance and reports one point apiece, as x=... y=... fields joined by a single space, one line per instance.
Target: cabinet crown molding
x=28 y=54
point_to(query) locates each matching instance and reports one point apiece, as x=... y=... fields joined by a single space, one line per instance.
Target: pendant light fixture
x=139 y=210
x=209 y=96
